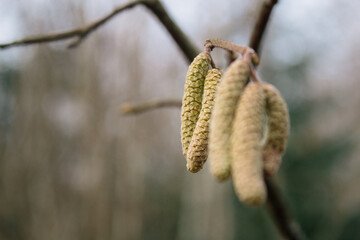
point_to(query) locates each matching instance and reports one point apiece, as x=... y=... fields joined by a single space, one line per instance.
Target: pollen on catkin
x=246 y=148
x=278 y=129
x=227 y=96
x=198 y=149
x=193 y=92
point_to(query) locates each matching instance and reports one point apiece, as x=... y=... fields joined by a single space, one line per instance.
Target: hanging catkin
x=191 y=104
x=247 y=164
x=226 y=99
x=278 y=129
x=197 y=152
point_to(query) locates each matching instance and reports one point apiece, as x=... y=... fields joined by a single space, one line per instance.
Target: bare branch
x=185 y=45
x=289 y=228
x=261 y=23
x=41 y=39
x=155 y=6
x=128 y=108
x=214 y=42
x=81 y=33
x=233 y=48
x=93 y=26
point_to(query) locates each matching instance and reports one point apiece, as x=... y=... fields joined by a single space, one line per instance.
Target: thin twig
x=213 y=42
x=253 y=74
x=155 y=6
x=208 y=51
x=81 y=33
x=261 y=23
x=90 y=28
x=128 y=108
x=210 y=44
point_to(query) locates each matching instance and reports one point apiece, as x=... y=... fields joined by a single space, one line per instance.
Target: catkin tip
x=255 y=200
x=222 y=176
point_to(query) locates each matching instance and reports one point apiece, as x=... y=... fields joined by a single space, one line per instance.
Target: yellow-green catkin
x=278 y=123
x=227 y=96
x=246 y=147
x=198 y=149
x=193 y=92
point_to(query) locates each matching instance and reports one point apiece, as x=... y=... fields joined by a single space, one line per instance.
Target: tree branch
x=261 y=23
x=81 y=33
x=214 y=42
x=285 y=223
x=93 y=26
x=211 y=43
x=128 y=108
x=185 y=45
x=155 y=6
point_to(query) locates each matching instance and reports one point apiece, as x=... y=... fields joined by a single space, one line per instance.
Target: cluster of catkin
x=243 y=127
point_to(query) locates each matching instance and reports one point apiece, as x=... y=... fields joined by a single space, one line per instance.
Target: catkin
x=193 y=91
x=278 y=129
x=226 y=99
x=197 y=152
x=247 y=164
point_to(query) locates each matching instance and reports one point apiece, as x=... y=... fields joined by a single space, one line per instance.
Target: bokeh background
x=72 y=167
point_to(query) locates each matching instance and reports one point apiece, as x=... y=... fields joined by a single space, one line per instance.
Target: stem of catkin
x=247 y=164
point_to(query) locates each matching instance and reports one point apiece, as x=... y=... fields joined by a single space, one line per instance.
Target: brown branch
x=185 y=45
x=231 y=47
x=128 y=108
x=189 y=50
x=282 y=218
x=93 y=26
x=81 y=33
x=41 y=39
x=261 y=23
x=214 y=42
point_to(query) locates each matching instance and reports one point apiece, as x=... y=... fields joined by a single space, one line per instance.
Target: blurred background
x=72 y=167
